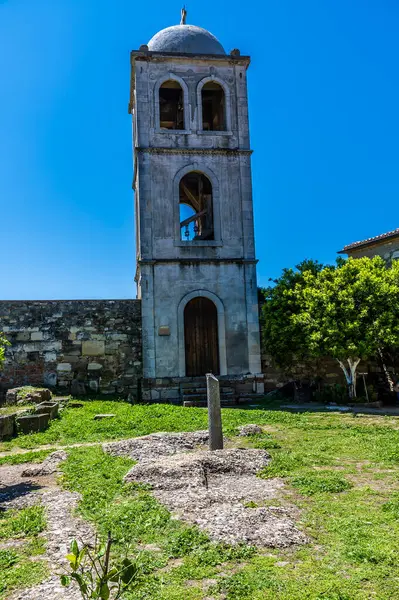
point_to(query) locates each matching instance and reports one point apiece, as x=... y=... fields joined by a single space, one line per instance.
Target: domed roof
x=185 y=39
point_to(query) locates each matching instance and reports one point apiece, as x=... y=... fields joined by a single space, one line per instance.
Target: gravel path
x=19 y=491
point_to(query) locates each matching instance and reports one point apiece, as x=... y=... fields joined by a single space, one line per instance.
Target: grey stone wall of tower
x=173 y=270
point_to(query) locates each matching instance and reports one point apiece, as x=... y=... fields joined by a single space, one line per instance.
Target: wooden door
x=201 y=337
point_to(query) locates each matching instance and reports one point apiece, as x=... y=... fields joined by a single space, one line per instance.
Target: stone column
x=214 y=413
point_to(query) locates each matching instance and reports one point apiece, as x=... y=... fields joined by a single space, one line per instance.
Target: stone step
x=193 y=390
x=197 y=390
x=194 y=398
x=184 y=385
x=194 y=394
x=225 y=402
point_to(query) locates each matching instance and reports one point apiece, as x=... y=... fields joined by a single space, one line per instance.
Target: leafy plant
x=3 y=343
x=98 y=577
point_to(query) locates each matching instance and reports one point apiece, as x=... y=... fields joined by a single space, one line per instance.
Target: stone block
x=104 y=416
x=23 y=336
x=93 y=366
x=33 y=423
x=78 y=388
x=48 y=407
x=111 y=348
x=20 y=395
x=64 y=367
x=169 y=393
x=7 y=426
x=12 y=396
x=50 y=379
x=36 y=336
x=93 y=348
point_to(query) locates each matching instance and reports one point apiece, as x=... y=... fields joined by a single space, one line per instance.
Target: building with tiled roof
x=385 y=245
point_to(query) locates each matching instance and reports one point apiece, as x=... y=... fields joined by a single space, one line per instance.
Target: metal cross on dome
x=183 y=16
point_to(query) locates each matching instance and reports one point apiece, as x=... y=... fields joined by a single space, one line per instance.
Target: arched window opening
x=213 y=107
x=171 y=105
x=196 y=209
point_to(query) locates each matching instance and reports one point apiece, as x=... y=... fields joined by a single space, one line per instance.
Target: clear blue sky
x=324 y=98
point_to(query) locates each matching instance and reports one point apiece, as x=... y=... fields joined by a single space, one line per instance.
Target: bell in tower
x=196 y=265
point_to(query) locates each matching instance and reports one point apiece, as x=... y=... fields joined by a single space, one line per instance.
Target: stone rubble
x=20 y=395
x=218 y=491
x=250 y=429
x=152 y=446
x=47 y=467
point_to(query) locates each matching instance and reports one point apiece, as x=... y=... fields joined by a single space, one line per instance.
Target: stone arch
x=221 y=329
x=227 y=100
x=172 y=77
x=199 y=168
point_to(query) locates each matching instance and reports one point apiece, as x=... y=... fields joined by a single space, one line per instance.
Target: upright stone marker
x=214 y=413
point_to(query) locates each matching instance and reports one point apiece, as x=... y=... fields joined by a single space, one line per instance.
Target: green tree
x=3 y=343
x=349 y=312
x=283 y=337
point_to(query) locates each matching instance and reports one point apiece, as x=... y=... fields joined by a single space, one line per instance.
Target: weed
x=24 y=522
x=314 y=483
x=7 y=558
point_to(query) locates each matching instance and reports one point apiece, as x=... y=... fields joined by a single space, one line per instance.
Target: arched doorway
x=201 y=337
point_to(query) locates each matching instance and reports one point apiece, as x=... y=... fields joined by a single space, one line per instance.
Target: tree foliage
x=348 y=312
x=3 y=343
x=283 y=337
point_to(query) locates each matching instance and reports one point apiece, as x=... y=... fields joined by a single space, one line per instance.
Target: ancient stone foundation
x=91 y=345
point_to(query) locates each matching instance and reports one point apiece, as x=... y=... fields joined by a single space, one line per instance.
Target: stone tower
x=196 y=266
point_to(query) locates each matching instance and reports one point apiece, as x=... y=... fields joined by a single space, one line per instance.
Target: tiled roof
x=370 y=241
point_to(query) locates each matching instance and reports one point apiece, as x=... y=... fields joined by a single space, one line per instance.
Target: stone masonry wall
x=388 y=250
x=53 y=343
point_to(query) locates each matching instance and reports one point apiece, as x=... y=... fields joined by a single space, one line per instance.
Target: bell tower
x=196 y=265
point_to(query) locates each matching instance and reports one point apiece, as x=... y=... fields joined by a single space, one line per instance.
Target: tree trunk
x=350 y=374
x=385 y=369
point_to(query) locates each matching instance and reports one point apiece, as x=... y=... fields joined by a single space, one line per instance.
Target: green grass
x=17 y=571
x=22 y=523
x=36 y=456
x=340 y=470
x=77 y=425
x=313 y=483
